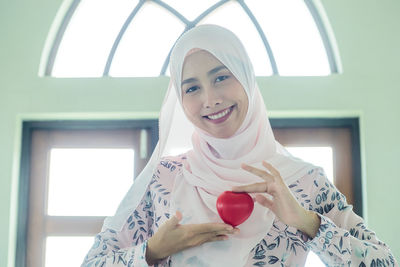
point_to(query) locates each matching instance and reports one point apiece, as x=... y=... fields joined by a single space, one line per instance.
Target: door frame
x=353 y=124
x=152 y=125
x=25 y=161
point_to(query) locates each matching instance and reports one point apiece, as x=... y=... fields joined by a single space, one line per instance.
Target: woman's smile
x=220 y=116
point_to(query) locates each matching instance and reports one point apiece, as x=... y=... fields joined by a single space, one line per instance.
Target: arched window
x=128 y=38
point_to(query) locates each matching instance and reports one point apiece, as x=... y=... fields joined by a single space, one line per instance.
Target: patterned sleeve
x=127 y=247
x=342 y=238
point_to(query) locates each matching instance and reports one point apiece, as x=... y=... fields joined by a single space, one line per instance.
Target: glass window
x=293 y=35
x=90 y=34
x=322 y=157
x=190 y=9
x=61 y=161
x=287 y=41
x=233 y=17
x=66 y=251
x=79 y=180
x=319 y=156
x=146 y=43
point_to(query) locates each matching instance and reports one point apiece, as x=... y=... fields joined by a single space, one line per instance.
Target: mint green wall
x=367 y=34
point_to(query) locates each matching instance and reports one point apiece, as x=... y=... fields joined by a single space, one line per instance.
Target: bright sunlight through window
x=131 y=38
x=322 y=157
x=68 y=251
x=80 y=180
x=319 y=156
x=89 y=36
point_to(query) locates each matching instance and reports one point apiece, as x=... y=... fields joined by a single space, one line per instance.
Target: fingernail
x=229 y=228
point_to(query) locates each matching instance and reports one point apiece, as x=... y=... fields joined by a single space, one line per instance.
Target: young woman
x=169 y=216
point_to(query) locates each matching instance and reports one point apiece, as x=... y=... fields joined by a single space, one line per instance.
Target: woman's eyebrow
x=209 y=73
x=216 y=69
x=190 y=80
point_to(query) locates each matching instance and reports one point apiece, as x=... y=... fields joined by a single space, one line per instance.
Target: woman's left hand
x=283 y=204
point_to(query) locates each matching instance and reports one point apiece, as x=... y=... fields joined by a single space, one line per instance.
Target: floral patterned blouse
x=342 y=238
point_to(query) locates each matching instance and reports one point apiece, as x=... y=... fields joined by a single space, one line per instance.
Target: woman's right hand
x=173 y=237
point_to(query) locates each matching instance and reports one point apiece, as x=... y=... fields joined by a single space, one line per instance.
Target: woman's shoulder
x=313 y=183
x=170 y=166
x=311 y=178
x=167 y=170
x=173 y=162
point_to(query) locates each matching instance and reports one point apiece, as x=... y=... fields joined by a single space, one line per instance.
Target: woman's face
x=213 y=99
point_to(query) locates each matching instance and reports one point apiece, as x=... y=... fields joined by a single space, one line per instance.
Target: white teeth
x=219 y=115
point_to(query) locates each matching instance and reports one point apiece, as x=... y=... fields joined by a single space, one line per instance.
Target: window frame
x=24 y=178
x=152 y=125
x=314 y=7
x=350 y=123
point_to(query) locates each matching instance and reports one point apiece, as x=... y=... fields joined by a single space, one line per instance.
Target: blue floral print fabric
x=342 y=238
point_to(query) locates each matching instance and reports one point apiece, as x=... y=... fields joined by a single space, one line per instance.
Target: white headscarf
x=213 y=164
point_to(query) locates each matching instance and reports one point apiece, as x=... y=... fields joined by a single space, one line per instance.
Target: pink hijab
x=214 y=163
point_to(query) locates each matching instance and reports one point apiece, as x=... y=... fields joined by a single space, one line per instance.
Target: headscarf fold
x=213 y=164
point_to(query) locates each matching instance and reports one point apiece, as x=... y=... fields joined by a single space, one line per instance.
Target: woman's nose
x=211 y=98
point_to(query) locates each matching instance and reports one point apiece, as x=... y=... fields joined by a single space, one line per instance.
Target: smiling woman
x=170 y=217
x=212 y=98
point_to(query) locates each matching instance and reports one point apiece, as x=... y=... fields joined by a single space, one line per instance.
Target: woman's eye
x=191 y=89
x=221 y=78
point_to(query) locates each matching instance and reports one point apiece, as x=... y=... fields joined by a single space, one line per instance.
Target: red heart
x=234 y=208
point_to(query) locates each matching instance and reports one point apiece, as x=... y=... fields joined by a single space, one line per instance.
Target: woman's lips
x=221 y=119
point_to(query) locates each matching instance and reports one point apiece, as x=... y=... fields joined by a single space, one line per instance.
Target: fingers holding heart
x=271 y=184
x=271 y=169
x=265 y=201
x=251 y=188
x=268 y=177
x=274 y=194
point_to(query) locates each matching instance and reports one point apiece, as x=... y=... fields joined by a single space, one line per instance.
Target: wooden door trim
x=353 y=125
x=24 y=175
x=152 y=124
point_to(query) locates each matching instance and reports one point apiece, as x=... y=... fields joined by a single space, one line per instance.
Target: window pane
x=190 y=9
x=66 y=251
x=89 y=37
x=322 y=157
x=319 y=156
x=88 y=182
x=232 y=17
x=294 y=38
x=146 y=43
